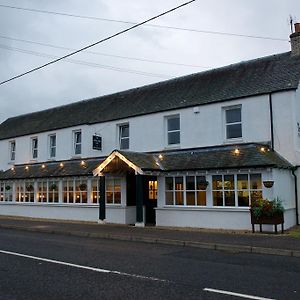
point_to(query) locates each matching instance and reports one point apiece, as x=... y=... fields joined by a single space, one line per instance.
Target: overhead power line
x=98 y=42
x=149 y=25
x=84 y=63
x=104 y=54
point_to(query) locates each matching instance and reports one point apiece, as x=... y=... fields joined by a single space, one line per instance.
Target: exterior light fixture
x=262 y=149
x=26 y=168
x=237 y=151
x=82 y=163
x=61 y=165
x=12 y=168
x=43 y=166
x=160 y=156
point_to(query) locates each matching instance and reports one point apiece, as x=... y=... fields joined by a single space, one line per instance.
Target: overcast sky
x=66 y=82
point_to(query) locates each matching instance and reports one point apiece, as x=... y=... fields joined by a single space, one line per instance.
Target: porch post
x=102 y=200
x=139 y=196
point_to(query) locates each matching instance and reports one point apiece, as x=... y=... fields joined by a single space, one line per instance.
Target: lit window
x=6 y=191
x=42 y=191
x=186 y=190
x=25 y=191
x=77 y=142
x=34 y=148
x=95 y=191
x=68 y=191
x=80 y=191
x=152 y=190
x=236 y=190
x=53 y=191
x=52 y=146
x=12 y=150
x=173 y=130
x=233 y=122
x=113 y=191
x=124 y=136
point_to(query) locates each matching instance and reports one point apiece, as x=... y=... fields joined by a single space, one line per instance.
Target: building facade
x=193 y=151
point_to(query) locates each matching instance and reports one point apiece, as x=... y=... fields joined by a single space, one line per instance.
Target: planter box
x=267 y=220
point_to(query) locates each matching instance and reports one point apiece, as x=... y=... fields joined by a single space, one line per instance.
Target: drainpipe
x=271 y=121
x=296 y=194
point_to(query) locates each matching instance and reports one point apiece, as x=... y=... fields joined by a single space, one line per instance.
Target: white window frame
x=167 y=118
x=121 y=137
x=34 y=141
x=12 y=150
x=75 y=143
x=51 y=147
x=225 y=109
x=184 y=191
x=113 y=181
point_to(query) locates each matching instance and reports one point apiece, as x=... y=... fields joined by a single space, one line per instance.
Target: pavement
x=223 y=240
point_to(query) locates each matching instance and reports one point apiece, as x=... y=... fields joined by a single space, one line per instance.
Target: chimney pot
x=295 y=40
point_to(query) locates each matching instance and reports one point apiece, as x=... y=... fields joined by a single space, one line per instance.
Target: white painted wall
x=148 y=132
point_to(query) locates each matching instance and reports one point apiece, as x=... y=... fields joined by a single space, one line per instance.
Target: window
x=95 y=191
x=185 y=190
x=34 y=148
x=53 y=191
x=6 y=191
x=124 y=136
x=52 y=146
x=80 y=191
x=173 y=130
x=68 y=191
x=75 y=191
x=236 y=190
x=152 y=189
x=233 y=122
x=42 y=191
x=25 y=191
x=77 y=142
x=12 y=150
x=113 y=191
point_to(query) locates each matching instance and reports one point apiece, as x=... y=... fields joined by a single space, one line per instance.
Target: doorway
x=151 y=200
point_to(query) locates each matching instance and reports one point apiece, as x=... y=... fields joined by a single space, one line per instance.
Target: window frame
x=123 y=138
x=227 y=124
x=12 y=150
x=34 y=142
x=77 y=144
x=168 y=131
x=51 y=147
x=113 y=191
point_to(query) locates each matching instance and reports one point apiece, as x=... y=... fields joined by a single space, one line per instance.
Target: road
x=49 y=266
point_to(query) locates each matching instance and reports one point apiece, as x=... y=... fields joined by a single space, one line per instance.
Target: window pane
x=228 y=182
x=255 y=195
x=117 y=198
x=174 y=137
x=169 y=198
x=190 y=183
x=124 y=131
x=124 y=143
x=218 y=198
x=179 y=198
x=229 y=198
x=200 y=180
x=201 y=198
x=243 y=198
x=173 y=123
x=255 y=181
x=217 y=182
x=78 y=137
x=169 y=183
x=234 y=131
x=233 y=115
x=109 y=197
x=78 y=149
x=190 y=198
x=53 y=152
x=179 y=183
x=242 y=181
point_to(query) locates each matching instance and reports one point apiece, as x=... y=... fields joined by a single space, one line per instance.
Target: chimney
x=295 y=40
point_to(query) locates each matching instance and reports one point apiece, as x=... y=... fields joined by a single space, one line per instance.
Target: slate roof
x=212 y=158
x=52 y=169
x=260 y=76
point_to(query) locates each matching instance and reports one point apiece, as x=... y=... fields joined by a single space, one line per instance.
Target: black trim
x=271 y=121
x=296 y=193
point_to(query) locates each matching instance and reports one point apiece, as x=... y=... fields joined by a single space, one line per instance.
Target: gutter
x=271 y=121
x=296 y=194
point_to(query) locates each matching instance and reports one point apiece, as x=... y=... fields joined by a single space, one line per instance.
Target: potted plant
x=264 y=211
x=30 y=188
x=83 y=187
x=7 y=187
x=203 y=185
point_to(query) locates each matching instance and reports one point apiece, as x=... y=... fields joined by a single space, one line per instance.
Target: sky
x=145 y=55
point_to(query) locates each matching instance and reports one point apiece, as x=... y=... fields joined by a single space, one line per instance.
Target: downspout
x=296 y=193
x=271 y=121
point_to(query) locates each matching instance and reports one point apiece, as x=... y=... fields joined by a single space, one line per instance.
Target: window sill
x=171 y=147
x=233 y=141
x=76 y=156
x=204 y=208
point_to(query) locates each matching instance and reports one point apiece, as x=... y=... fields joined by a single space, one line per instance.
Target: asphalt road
x=37 y=266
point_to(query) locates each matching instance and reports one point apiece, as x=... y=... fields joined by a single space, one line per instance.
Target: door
x=151 y=200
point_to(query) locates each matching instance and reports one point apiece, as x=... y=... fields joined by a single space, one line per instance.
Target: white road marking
x=235 y=294
x=81 y=267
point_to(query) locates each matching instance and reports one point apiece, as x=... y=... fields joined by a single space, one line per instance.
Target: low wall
x=215 y=218
x=83 y=212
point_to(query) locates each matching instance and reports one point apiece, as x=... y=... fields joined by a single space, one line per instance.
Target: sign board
x=97 y=142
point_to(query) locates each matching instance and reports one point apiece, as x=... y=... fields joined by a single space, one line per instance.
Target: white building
x=193 y=151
